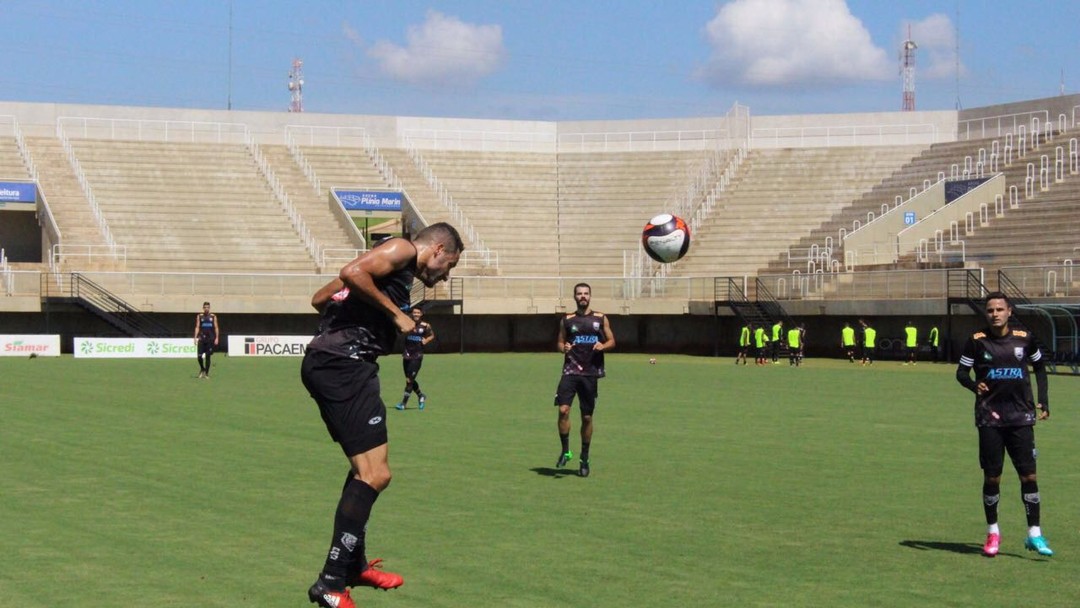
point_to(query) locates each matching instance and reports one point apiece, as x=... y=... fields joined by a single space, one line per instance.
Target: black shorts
x=586 y=389
x=347 y=391
x=205 y=347
x=411 y=367
x=1018 y=441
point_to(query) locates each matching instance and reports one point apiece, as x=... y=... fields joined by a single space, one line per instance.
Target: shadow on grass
x=937 y=545
x=556 y=473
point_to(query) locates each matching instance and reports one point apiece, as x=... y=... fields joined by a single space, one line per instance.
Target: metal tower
x=907 y=69
x=296 y=86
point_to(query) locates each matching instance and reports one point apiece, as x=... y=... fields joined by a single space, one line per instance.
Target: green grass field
x=131 y=483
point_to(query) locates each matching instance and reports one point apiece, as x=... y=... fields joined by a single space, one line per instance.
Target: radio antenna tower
x=296 y=86
x=907 y=69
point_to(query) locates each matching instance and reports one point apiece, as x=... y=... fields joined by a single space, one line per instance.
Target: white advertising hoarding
x=131 y=348
x=24 y=345
x=268 y=346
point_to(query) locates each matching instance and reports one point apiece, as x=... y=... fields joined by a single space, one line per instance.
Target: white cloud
x=782 y=43
x=935 y=57
x=442 y=50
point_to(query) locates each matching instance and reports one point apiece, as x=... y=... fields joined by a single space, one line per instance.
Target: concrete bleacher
x=82 y=238
x=511 y=200
x=330 y=230
x=191 y=207
x=11 y=162
x=780 y=196
x=606 y=198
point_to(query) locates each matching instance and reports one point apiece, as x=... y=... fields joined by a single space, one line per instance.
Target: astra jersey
x=584 y=332
x=1002 y=363
x=414 y=341
x=351 y=327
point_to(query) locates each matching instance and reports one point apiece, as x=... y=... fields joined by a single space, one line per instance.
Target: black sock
x=202 y=366
x=350 y=521
x=991 y=497
x=1030 y=493
x=584 y=451
x=565 y=439
x=207 y=364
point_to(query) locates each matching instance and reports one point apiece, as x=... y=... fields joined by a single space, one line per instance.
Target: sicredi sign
x=24 y=345
x=134 y=348
x=268 y=346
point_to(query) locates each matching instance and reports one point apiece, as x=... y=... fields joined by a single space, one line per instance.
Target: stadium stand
x=511 y=198
x=84 y=246
x=606 y=198
x=778 y=196
x=191 y=207
x=11 y=163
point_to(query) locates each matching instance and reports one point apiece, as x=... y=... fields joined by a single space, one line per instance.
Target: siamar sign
x=268 y=346
x=134 y=348
x=30 y=345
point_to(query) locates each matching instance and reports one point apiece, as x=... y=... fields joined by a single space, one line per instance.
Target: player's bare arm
x=429 y=333
x=561 y=344
x=217 y=332
x=322 y=297
x=610 y=342
x=359 y=276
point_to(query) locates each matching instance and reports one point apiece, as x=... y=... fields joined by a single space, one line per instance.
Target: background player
x=584 y=336
x=1005 y=413
x=206 y=338
x=744 y=342
x=412 y=357
x=847 y=341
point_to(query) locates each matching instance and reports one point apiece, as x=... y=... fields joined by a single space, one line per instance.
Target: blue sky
x=539 y=60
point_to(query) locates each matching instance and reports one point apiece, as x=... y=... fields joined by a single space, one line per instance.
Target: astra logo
x=1005 y=373
x=586 y=339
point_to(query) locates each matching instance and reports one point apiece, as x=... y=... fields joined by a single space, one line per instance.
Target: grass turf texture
x=828 y=485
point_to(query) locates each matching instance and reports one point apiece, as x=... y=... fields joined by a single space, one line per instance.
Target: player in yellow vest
x=795 y=344
x=777 y=336
x=869 y=342
x=744 y=343
x=847 y=341
x=911 y=343
x=759 y=345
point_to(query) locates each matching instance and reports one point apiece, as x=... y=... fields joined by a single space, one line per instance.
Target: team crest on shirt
x=596 y=326
x=1018 y=352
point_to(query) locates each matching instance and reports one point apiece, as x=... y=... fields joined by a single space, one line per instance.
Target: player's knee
x=378 y=479
x=564 y=411
x=1028 y=477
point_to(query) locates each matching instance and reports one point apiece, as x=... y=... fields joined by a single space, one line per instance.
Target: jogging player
x=933 y=341
x=206 y=338
x=584 y=336
x=1005 y=414
x=869 y=335
x=360 y=313
x=412 y=357
x=795 y=337
x=761 y=343
x=847 y=341
x=744 y=343
x=911 y=343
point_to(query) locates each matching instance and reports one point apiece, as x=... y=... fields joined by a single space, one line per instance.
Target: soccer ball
x=666 y=238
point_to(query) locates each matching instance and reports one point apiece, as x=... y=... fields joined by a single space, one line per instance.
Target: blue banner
x=18 y=192
x=367 y=200
x=955 y=188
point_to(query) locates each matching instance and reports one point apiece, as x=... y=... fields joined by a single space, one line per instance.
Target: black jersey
x=1002 y=363
x=351 y=327
x=584 y=332
x=414 y=341
x=206 y=327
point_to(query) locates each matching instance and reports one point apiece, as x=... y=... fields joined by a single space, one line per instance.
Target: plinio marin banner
x=268 y=346
x=367 y=200
x=25 y=345
x=134 y=348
